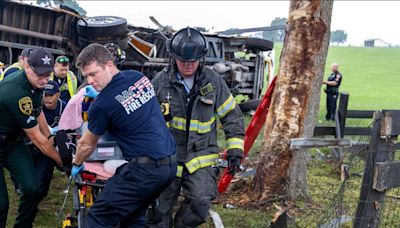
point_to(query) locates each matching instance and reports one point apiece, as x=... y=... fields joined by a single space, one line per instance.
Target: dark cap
x=51 y=88
x=41 y=61
x=25 y=52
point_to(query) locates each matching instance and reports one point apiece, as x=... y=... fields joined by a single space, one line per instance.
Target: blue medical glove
x=76 y=170
x=90 y=91
x=54 y=130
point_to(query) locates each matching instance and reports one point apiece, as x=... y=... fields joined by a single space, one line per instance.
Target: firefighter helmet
x=187 y=44
x=117 y=52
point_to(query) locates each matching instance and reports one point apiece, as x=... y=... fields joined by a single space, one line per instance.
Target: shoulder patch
x=25 y=105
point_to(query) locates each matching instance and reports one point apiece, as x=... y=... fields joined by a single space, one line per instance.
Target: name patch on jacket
x=136 y=95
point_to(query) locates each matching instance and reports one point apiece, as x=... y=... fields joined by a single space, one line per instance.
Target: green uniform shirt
x=20 y=104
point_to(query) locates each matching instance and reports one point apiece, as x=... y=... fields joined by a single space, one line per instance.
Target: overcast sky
x=360 y=19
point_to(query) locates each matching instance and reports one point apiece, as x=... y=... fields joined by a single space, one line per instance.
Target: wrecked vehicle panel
x=64 y=32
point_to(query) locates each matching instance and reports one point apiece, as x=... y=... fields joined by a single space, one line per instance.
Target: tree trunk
x=295 y=102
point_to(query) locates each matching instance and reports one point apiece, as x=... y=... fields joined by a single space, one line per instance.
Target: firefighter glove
x=233 y=164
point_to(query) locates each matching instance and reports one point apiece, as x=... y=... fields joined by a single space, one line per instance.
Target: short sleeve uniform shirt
x=128 y=109
x=20 y=103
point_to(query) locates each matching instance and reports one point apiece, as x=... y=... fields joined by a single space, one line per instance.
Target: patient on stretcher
x=107 y=157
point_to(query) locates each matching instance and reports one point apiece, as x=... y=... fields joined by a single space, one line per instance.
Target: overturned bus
x=63 y=31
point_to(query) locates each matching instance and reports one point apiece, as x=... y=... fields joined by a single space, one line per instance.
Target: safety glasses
x=62 y=59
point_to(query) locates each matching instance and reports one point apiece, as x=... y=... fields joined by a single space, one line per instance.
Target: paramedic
x=127 y=109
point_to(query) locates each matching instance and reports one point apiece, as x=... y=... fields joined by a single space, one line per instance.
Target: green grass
x=48 y=208
x=370 y=76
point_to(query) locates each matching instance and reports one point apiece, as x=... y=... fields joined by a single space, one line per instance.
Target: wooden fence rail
x=340 y=123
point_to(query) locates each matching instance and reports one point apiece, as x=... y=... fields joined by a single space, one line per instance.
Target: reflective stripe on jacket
x=14 y=65
x=72 y=82
x=196 y=136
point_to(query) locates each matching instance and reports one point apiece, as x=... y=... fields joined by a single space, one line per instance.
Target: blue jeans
x=128 y=194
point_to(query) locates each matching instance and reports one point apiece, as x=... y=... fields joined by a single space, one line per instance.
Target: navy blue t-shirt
x=53 y=116
x=128 y=109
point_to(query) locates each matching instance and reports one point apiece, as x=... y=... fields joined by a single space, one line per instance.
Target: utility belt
x=333 y=91
x=10 y=137
x=170 y=160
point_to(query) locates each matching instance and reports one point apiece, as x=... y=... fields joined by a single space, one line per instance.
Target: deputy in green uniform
x=20 y=108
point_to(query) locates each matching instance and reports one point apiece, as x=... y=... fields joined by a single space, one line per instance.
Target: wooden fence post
x=381 y=149
x=342 y=111
x=340 y=123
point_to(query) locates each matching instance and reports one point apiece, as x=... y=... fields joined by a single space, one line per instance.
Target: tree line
x=337 y=36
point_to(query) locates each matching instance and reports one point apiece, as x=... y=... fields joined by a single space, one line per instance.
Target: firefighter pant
x=128 y=194
x=199 y=188
x=17 y=158
x=331 y=100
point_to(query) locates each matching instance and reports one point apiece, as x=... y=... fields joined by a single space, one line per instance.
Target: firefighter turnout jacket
x=192 y=118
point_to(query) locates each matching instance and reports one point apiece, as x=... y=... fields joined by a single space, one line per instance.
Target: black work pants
x=44 y=167
x=199 y=188
x=128 y=194
x=17 y=158
x=331 y=101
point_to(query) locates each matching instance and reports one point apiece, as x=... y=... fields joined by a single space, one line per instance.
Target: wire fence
x=334 y=201
x=335 y=191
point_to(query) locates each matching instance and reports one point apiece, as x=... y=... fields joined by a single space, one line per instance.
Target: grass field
x=370 y=76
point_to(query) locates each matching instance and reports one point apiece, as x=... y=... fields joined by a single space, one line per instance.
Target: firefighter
x=332 y=91
x=118 y=54
x=22 y=58
x=65 y=78
x=127 y=108
x=20 y=105
x=193 y=99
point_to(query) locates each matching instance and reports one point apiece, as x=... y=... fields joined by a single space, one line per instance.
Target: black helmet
x=117 y=52
x=187 y=44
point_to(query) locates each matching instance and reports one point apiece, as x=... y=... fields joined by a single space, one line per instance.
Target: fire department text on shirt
x=136 y=96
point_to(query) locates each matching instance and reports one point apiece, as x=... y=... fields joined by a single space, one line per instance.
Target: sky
x=359 y=19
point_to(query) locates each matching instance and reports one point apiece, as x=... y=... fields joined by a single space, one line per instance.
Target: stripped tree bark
x=295 y=102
